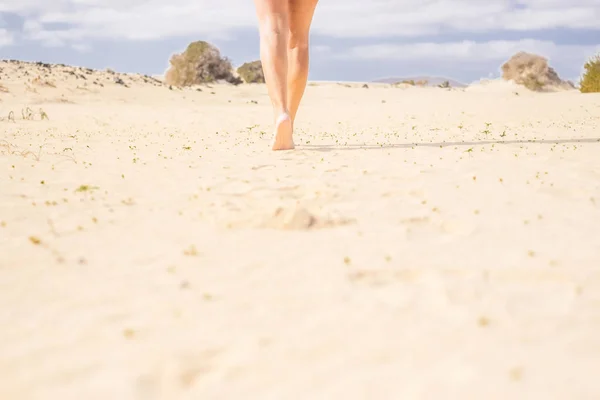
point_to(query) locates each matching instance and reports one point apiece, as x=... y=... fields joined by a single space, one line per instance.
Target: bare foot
x=282 y=139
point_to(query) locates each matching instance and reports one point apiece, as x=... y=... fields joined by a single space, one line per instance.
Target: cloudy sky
x=352 y=40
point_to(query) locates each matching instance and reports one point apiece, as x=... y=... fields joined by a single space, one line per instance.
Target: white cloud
x=6 y=38
x=416 y=17
x=495 y=50
x=474 y=56
x=153 y=19
x=81 y=47
x=321 y=49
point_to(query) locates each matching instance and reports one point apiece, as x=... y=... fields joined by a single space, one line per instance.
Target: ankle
x=281 y=113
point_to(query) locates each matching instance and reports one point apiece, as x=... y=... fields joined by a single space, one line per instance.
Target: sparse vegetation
x=86 y=188
x=200 y=63
x=7 y=148
x=38 y=81
x=252 y=72
x=590 y=81
x=10 y=117
x=26 y=114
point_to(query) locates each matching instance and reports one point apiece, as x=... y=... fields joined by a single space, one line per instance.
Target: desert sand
x=420 y=243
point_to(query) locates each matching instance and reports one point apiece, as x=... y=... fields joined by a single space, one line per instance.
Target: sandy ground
x=419 y=243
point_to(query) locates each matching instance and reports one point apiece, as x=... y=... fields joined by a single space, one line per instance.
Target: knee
x=298 y=41
x=273 y=28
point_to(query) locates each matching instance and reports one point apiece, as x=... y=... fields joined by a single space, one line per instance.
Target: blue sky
x=352 y=40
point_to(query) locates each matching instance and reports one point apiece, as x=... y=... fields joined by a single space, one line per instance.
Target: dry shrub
x=200 y=63
x=422 y=83
x=29 y=88
x=252 y=72
x=38 y=81
x=3 y=88
x=533 y=72
x=590 y=81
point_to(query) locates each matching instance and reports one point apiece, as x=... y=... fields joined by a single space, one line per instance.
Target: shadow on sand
x=326 y=148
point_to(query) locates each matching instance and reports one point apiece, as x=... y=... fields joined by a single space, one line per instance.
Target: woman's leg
x=273 y=19
x=301 y=15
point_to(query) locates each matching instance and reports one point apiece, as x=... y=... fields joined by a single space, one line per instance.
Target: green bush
x=252 y=72
x=200 y=63
x=590 y=81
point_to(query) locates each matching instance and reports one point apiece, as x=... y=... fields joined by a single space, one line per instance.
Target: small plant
x=86 y=188
x=27 y=114
x=590 y=81
x=191 y=251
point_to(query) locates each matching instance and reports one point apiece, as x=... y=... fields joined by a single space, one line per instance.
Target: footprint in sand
x=176 y=376
x=290 y=218
x=300 y=218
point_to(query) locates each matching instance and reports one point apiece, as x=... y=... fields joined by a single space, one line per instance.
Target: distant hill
x=432 y=80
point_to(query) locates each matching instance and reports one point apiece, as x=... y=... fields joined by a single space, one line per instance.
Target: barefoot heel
x=280 y=142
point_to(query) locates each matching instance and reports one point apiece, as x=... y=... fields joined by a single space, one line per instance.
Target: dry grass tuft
x=27 y=114
x=533 y=72
x=11 y=117
x=38 y=81
x=8 y=149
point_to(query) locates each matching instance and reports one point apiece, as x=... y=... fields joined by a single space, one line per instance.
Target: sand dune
x=419 y=243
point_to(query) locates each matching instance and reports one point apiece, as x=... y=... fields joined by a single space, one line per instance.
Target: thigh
x=271 y=8
x=301 y=14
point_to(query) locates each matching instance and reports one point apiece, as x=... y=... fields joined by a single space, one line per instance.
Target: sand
x=419 y=243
